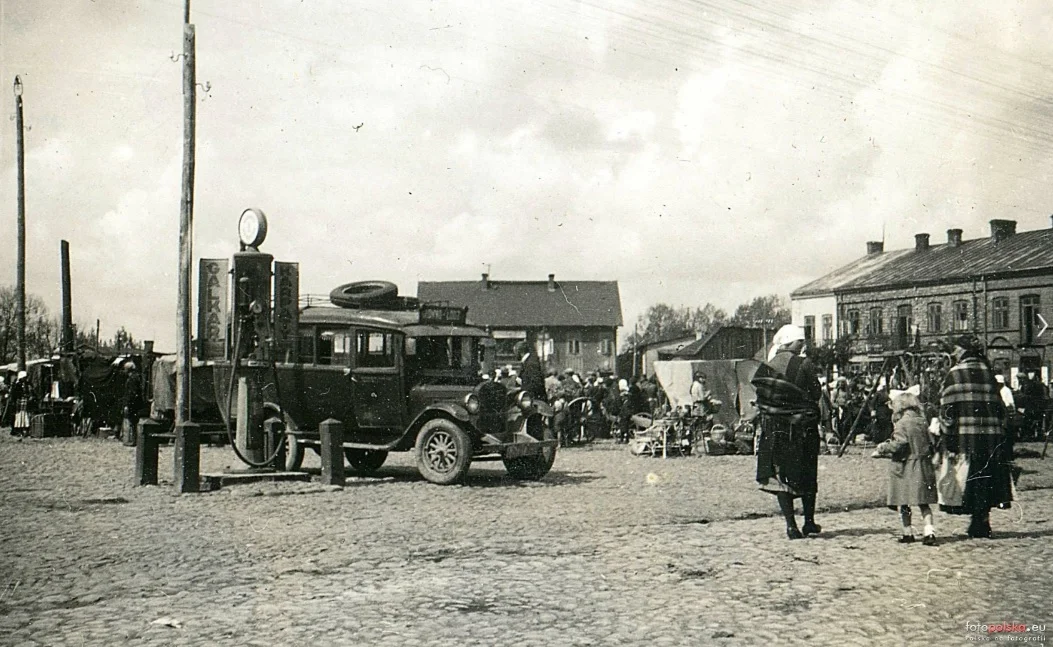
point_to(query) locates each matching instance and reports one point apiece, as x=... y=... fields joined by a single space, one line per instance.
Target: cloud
x=692 y=155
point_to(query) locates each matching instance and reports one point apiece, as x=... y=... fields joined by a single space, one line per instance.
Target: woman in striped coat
x=972 y=419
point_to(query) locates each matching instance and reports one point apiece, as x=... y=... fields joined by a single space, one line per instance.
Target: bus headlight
x=471 y=403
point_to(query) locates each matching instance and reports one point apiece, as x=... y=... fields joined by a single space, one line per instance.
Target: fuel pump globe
x=252 y=228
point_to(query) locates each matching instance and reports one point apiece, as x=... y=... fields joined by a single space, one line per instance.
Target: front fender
x=449 y=408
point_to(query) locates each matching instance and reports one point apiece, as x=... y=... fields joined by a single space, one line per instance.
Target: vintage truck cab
x=402 y=377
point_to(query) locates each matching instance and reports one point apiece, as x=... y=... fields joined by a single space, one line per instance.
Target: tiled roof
x=982 y=257
x=530 y=303
x=842 y=276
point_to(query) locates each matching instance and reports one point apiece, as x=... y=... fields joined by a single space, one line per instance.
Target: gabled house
x=571 y=324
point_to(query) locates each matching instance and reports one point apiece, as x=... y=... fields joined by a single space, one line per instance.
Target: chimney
x=1051 y=222
x=486 y=281
x=954 y=237
x=1002 y=229
x=551 y=282
x=875 y=247
x=921 y=242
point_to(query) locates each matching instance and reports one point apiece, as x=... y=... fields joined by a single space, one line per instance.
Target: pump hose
x=230 y=397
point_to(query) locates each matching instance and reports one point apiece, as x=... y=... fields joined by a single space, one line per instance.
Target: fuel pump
x=252 y=352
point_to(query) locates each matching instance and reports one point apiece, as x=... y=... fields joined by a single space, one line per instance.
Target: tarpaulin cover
x=203 y=395
x=727 y=380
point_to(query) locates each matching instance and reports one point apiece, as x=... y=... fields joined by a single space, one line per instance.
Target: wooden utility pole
x=67 y=343
x=20 y=273
x=186 y=222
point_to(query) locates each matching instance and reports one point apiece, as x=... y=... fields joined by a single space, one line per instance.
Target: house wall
x=979 y=297
x=816 y=307
x=735 y=343
x=583 y=349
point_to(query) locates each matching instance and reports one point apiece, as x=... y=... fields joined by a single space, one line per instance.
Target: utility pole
x=66 y=334
x=20 y=273
x=186 y=222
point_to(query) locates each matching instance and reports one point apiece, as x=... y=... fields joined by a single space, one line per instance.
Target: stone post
x=146 y=452
x=332 y=438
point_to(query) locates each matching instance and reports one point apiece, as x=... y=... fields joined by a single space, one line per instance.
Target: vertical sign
x=212 y=308
x=286 y=310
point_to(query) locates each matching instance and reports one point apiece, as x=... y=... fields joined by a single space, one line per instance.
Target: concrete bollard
x=274 y=435
x=187 y=458
x=146 y=451
x=331 y=433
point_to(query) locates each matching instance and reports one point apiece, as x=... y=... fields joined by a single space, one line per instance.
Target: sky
x=693 y=150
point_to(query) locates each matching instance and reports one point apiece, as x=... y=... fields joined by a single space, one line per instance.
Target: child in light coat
x=912 y=478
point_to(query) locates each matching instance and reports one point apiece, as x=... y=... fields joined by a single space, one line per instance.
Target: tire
x=293 y=453
x=365 y=461
x=363 y=293
x=444 y=452
x=293 y=446
x=533 y=468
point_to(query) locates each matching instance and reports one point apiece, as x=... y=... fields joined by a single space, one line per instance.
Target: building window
x=606 y=347
x=854 y=322
x=505 y=344
x=828 y=328
x=935 y=323
x=574 y=346
x=1029 y=311
x=902 y=325
x=961 y=316
x=1000 y=312
x=809 y=330
x=874 y=325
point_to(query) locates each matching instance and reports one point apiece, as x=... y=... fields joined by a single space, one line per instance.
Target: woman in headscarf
x=972 y=421
x=788 y=394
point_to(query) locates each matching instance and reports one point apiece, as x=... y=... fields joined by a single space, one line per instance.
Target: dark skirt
x=789 y=453
x=990 y=481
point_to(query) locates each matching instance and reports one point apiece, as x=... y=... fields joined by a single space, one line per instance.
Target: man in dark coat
x=788 y=394
x=530 y=375
x=1034 y=404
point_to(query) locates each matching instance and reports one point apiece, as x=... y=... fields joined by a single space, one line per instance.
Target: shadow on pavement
x=475 y=478
x=829 y=533
x=998 y=536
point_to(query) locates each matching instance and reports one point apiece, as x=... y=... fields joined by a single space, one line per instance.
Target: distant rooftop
x=1004 y=253
x=530 y=303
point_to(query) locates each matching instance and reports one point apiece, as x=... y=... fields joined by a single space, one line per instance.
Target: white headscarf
x=914 y=390
x=785 y=335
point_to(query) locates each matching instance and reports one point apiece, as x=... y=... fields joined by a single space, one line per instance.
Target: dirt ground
x=608 y=549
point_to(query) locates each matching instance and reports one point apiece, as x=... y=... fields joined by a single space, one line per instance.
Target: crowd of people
x=859 y=406
x=959 y=458
x=600 y=403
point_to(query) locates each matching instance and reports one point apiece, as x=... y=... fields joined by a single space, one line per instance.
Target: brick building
x=572 y=324
x=999 y=288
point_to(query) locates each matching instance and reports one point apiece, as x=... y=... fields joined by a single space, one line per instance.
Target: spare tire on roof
x=361 y=294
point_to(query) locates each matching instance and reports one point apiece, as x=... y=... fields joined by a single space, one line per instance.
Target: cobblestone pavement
x=609 y=549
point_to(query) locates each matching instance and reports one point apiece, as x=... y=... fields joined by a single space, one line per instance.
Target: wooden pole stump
x=187 y=458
